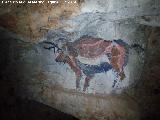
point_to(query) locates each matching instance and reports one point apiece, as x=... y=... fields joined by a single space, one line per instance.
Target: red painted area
x=73 y=66
x=118 y=56
x=70 y=60
x=96 y=47
x=121 y=56
x=92 y=48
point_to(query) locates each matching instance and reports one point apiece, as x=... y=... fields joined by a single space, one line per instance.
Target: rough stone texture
x=32 y=21
x=31 y=72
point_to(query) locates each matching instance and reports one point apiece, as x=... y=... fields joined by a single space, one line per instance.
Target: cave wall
x=34 y=73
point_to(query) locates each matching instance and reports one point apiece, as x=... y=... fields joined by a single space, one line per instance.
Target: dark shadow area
x=147 y=92
x=21 y=109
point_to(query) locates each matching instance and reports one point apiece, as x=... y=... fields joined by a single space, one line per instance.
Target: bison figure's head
x=63 y=53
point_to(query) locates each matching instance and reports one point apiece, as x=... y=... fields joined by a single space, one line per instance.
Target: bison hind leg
x=116 y=78
x=86 y=83
x=78 y=82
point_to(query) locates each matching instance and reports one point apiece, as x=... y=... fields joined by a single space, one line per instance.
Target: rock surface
x=31 y=71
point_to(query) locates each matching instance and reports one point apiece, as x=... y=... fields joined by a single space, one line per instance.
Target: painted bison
x=89 y=55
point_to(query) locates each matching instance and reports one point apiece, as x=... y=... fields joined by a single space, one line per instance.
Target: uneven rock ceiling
x=32 y=21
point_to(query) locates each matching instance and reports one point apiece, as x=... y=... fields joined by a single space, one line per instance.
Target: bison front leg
x=86 y=84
